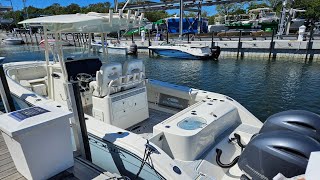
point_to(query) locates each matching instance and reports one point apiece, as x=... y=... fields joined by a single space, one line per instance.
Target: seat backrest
x=106 y=74
x=134 y=70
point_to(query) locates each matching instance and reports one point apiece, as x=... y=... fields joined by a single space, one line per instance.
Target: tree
x=33 y=11
x=254 y=5
x=227 y=9
x=73 y=8
x=16 y=15
x=311 y=6
x=54 y=9
x=211 y=20
x=156 y=15
x=99 y=7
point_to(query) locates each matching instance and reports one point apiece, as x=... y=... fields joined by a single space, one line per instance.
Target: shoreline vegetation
x=311 y=7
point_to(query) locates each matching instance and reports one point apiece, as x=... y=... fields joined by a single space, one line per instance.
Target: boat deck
x=145 y=128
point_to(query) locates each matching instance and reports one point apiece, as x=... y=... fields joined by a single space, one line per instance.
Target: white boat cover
x=84 y=23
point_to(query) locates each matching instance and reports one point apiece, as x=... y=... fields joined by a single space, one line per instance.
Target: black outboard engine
x=133 y=49
x=303 y=122
x=215 y=51
x=270 y=153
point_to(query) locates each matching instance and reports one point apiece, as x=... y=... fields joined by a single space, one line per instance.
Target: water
x=263 y=87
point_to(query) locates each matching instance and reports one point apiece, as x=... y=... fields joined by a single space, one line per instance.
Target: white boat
x=148 y=129
x=13 y=41
x=53 y=41
x=184 y=51
x=115 y=48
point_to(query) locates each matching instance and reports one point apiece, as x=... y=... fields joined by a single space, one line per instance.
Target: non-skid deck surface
x=145 y=128
x=7 y=167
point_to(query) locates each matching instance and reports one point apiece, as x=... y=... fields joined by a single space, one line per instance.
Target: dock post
x=25 y=35
x=30 y=34
x=188 y=38
x=5 y=92
x=79 y=39
x=271 y=44
x=74 y=41
x=149 y=41
x=310 y=43
x=212 y=43
x=20 y=35
x=35 y=35
x=167 y=38
x=239 y=44
x=78 y=122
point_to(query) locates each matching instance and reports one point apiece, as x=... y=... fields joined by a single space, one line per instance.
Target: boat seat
x=114 y=101
x=26 y=84
x=134 y=72
x=108 y=73
x=40 y=89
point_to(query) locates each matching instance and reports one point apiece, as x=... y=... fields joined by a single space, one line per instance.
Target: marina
x=83 y=97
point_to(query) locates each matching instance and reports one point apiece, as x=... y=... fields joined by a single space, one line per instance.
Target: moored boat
x=184 y=51
x=148 y=129
x=13 y=41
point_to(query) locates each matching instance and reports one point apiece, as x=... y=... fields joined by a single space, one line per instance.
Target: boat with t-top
x=148 y=129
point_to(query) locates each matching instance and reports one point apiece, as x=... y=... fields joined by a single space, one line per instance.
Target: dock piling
x=271 y=44
x=310 y=43
x=239 y=44
x=212 y=43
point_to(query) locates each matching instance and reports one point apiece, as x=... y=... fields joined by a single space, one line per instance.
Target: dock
x=8 y=170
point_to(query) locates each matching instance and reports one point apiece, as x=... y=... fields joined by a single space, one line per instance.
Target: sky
x=17 y=4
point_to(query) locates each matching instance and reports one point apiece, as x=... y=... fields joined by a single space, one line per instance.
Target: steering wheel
x=84 y=80
x=84 y=77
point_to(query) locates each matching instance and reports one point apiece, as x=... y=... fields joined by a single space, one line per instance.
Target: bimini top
x=86 y=23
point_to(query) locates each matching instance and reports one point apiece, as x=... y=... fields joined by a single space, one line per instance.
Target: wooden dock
x=7 y=167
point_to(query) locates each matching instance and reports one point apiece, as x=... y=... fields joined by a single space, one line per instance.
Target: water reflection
x=263 y=87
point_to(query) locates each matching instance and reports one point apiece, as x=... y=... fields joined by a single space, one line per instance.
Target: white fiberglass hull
x=182 y=52
x=13 y=41
x=173 y=162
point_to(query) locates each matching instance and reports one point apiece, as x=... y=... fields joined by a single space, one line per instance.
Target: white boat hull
x=182 y=51
x=13 y=41
x=130 y=144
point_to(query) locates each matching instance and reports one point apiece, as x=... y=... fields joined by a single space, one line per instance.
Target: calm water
x=263 y=87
